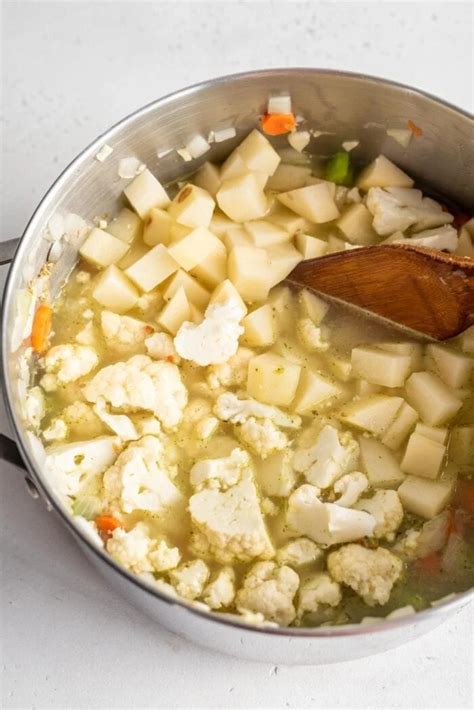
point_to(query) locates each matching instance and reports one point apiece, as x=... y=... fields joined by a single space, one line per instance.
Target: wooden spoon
x=422 y=289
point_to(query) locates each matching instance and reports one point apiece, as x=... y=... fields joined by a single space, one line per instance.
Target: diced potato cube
x=433 y=400
x=288 y=220
x=380 y=367
x=225 y=292
x=438 y=434
x=220 y=223
x=248 y=269
x=213 y=270
x=126 y=226
x=424 y=497
x=195 y=315
x=467 y=340
x=153 y=268
x=423 y=456
x=336 y=244
x=310 y=247
x=114 y=291
x=175 y=312
x=136 y=251
x=356 y=225
x=260 y=327
x=289 y=177
x=195 y=247
x=157 y=229
x=265 y=234
x=283 y=259
x=453 y=367
x=401 y=427
x=258 y=153
x=275 y=474
x=145 y=192
x=236 y=236
x=281 y=301
x=374 y=413
x=272 y=379
x=192 y=207
x=313 y=390
x=314 y=203
x=102 y=249
x=383 y=173
x=195 y=292
x=461 y=445
x=208 y=177
x=379 y=464
x=233 y=166
x=312 y=306
x=242 y=198
x=415 y=350
x=465 y=245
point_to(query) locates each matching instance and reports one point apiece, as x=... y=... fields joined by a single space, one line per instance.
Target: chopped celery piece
x=87 y=506
x=338 y=168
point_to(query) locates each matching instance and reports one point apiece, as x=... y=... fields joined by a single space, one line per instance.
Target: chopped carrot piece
x=106 y=524
x=416 y=130
x=41 y=328
x=275 y=124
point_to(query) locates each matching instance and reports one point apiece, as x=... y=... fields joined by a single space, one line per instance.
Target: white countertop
x=70 y=70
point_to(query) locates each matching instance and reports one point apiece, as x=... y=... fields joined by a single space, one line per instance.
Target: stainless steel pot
x=348 y=106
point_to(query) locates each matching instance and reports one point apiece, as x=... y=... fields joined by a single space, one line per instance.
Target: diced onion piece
x=299 y=140
x=56 y=227
x=279 y=104
x=129 y=167
x=184 y=154
x=104 y=153
x=350 y=145
x=197 y=146
x=224 y=134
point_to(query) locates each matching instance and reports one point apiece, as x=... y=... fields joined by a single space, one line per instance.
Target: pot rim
x=47 y=200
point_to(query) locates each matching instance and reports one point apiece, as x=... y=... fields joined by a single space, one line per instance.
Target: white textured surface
x=70 y=70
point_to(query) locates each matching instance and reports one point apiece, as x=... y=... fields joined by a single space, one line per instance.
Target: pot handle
x=10 y=452
x=7 y=250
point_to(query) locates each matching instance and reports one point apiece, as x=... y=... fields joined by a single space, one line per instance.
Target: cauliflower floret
x=82 y=421
x=310 y=336
x=140 y=480
x=231 y=373
x=146 y=424
x=141 y=384
x=140 y=553
x=198 y=422
x=370 y=573
x=387 y=510
x=318 y=589
x=221 y=591
x=160 y=346
x=429 y=539
x=83 y=277
x=123 y=332
x=215 y=339
x=69 y=362
x=350 y=488
x=269 y=589
x=396 y=209
x=57 y=430
x=164 y=557
x=269 y=507
x=444 y=238
x=262 y=436
x=71 y=466
x=120 y=424
x=326 y=523
x=299 y=552
x=190 y=579
x=230 y=408
x=333 y=454
x=231 y=524
x=220 y=473
x=86 y=336
x=34 y=406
